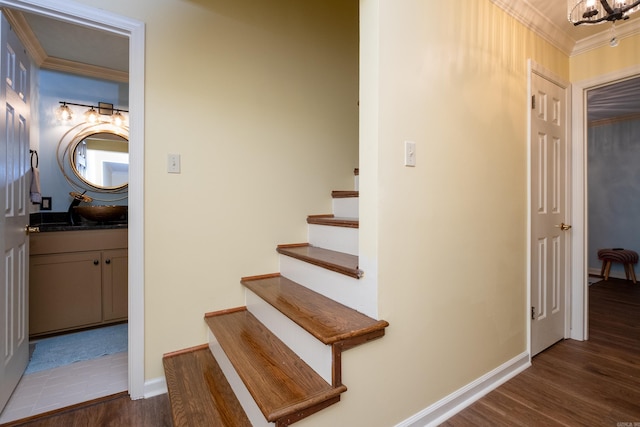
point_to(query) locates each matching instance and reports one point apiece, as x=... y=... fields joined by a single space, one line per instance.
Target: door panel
x=549 y=266
x=14 y=181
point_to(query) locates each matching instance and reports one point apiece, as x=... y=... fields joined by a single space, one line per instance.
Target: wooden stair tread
x=282 y=384
x=343 y=194
x=327 y=320
x=331 y=220
x=199 y=392
x=331 y=260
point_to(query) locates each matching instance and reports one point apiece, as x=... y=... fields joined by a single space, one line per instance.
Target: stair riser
x=242 y=393
x=346 y=207
x=341 y=239
x=349 y=291
x=312 y=351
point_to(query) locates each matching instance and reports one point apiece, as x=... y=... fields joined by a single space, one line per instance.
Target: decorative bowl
x=101 y=213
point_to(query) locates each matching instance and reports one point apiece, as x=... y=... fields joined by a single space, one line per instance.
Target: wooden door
x=14 y=195
x=549 y=195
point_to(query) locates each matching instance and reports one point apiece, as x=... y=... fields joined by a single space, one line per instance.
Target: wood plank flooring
x=591 y=383
x=117 y=411
x=574 y=383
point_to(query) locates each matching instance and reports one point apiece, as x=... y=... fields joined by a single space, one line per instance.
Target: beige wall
x=446 y=240
x=260 y=99
x=606 y=59
x=448 y=236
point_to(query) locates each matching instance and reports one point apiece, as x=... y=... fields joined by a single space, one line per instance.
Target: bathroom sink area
x=101 y=213
x=60 y=221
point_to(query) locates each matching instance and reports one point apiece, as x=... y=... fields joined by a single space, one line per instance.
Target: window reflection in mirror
x=102 y=160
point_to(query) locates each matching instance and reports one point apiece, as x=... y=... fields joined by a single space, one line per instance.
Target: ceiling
x=72 y=48
x=77 y=49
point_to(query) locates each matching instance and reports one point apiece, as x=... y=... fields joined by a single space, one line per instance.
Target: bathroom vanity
x=78 y=278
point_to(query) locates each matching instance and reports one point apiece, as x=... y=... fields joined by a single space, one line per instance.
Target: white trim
x=69 y=11
x=460 y=399
x=155 y=387
x=603 y=38
x=537 y=22
x=580 y=280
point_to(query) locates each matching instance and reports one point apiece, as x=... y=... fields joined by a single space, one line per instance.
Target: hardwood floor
x=115 y=411
x=574 y=383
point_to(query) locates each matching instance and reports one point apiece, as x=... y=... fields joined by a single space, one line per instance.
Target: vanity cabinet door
x=115 y=289
x=65 y=291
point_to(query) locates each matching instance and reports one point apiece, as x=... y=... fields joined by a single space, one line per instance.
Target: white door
x=14 y=195
x=549 y=231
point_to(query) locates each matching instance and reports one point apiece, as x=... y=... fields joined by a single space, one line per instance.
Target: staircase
x=277 y=359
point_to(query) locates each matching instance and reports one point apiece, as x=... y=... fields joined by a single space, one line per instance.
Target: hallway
x=574 y=383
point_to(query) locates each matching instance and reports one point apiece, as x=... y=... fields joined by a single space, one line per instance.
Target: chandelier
x=598 y=11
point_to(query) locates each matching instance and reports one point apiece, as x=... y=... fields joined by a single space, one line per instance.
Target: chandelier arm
x=605 y=5
x=631 y=6
x=591 y=21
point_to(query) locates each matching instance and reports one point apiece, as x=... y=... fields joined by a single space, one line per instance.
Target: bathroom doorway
x=134 y=32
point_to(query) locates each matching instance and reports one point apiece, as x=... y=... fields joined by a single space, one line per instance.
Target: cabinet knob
x=108 y=261
x=96 y=262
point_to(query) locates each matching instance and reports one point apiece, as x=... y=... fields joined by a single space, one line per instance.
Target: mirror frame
x=66 y=151
x=73 y=146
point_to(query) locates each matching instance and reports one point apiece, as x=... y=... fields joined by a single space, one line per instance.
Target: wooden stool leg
x=633 y=273
x=604 y=264
x=626 y=271
x=607 y=270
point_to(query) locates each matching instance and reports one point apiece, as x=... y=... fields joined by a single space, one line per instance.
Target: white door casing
x=93 y=17
x=580 y=266
x=14 y=196
x=549 y=215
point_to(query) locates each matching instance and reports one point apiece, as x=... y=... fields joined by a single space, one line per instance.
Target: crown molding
x=531 y=18
x=72 y=67
x=22 y=29
x=537 y=22
x=603 y=38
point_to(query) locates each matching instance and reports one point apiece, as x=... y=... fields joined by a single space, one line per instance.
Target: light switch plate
x=409 y=153
x=173 y=163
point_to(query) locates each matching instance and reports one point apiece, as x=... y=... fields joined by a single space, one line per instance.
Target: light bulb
x=64 y=113
x=117 y=119
x=91 y=116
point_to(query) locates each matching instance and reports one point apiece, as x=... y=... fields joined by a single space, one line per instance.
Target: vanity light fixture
x=117 y=118
x=93 y=114
x=64 y=113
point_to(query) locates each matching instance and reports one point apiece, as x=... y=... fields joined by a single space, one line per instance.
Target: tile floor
x=56 y=388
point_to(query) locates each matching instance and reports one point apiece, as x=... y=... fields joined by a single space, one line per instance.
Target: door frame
x=135 y=30
x=580 y=264
x=535 y=68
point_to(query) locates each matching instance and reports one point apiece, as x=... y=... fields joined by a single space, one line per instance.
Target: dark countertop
x=47 y=227
x=59 y=221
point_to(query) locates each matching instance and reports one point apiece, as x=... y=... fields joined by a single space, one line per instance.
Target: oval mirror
x=101 y=159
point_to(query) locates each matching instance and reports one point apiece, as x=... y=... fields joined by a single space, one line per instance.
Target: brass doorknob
x=563 y=226
x=29 y=229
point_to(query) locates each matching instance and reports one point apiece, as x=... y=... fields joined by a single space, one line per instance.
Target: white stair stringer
x=341 y=239
x=249 y=405
x=346 y=207
x=315 y=353
x=349 y=291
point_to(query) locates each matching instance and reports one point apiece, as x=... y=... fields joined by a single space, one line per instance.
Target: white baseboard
x=457 y=401
x=155 y=387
